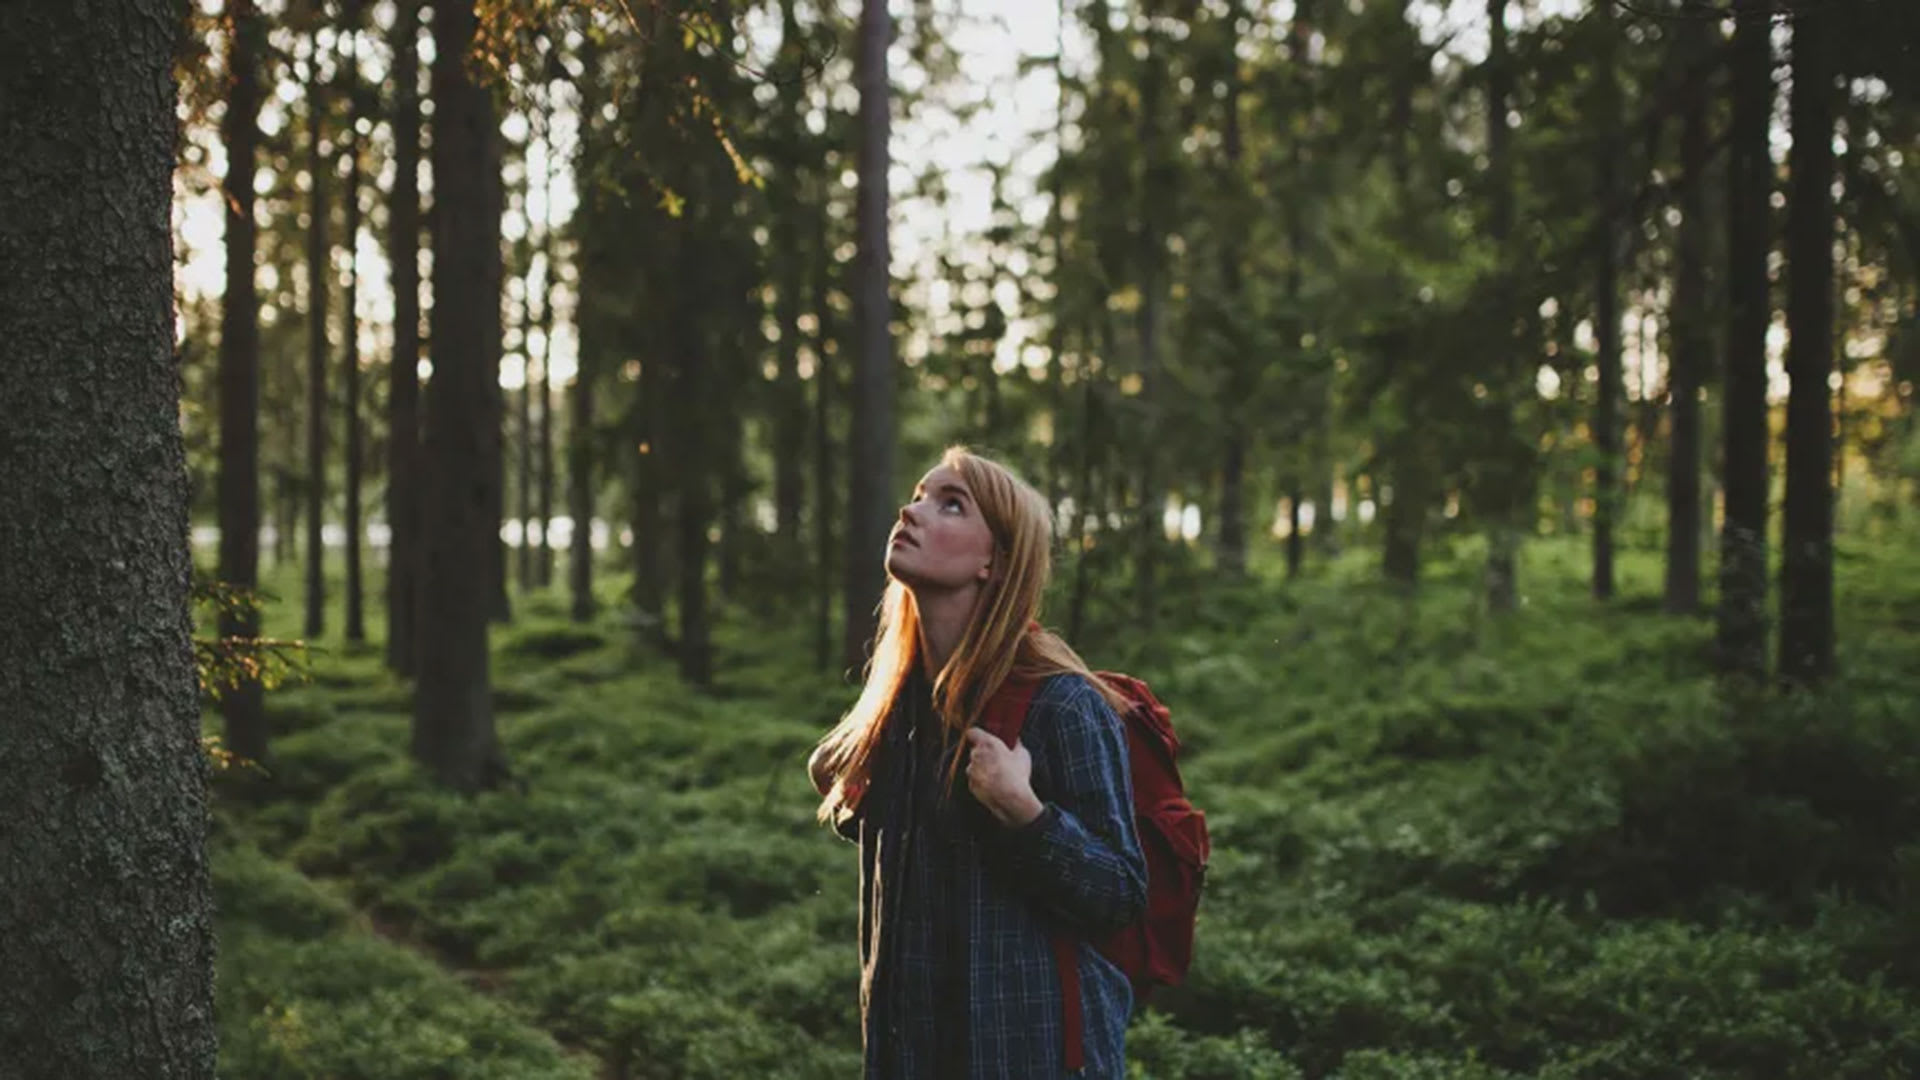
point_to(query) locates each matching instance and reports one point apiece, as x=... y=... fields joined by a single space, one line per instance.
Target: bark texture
x=106 y=931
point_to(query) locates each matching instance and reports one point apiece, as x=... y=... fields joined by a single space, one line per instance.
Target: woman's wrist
x=1023 y=810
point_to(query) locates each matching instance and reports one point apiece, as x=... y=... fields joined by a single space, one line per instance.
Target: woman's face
x=940 y=541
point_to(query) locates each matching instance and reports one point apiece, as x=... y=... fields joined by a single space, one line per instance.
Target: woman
x=962 y=886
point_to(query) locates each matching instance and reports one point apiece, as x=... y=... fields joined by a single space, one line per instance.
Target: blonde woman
x=976 y=855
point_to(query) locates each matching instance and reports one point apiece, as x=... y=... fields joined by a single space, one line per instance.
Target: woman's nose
x=907 y=515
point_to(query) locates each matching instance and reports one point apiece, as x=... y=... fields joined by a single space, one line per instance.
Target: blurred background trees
x=1267 y=281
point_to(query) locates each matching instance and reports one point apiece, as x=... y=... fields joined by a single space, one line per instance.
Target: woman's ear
x=986 y=572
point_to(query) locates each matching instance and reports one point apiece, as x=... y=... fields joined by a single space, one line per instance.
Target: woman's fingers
x=981 y=737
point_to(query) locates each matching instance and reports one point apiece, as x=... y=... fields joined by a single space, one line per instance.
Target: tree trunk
x=693 y=452
x=1296 y=543
x=1806 y=556
x=590 y=255
x=1155 y=190
x=350 y=345
x=825 y=380
x=649 y=592
x=1692 y=335
x=580 y=481
x=1083 y=487
x=523 y=451
x=241 y=708
x=870 y=450
x=1504 y=467
x=1232 y=549
x=1606 y=315
x=1741 y=633
x=1057 y=245
x=453 y=727
x=543 y=561
x=732 y=481
x=106 y=913
x=493 y=326
x=1402 y=496
x=318 y=251
x=790 y=403
x=403 y=374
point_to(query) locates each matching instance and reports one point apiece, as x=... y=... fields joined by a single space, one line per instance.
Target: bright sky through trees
x=992 y=114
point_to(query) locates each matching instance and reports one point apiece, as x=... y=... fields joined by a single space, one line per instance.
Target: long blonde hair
x=1002 y=640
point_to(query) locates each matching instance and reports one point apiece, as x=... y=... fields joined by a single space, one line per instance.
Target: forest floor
x=1446 y=846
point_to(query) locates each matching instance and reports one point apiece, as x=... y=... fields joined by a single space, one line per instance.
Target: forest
x=450 y=447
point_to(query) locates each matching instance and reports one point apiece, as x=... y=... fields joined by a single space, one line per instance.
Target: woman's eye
x=952 y=501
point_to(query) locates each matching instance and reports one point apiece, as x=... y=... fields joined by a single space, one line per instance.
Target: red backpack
x=1157 y=948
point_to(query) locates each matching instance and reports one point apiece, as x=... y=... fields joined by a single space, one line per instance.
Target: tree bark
x=1057 y=246
x=1741 y=632
x=241 y=708
x=404 y=494
x=694 y=511
x=1606 y=314
x=790 y=403
x=1083 y=488
x=1692 y=334
x=825 y=380
x=1402 y=497
x=350 y=345
x=1504 y=469
x=493 y=327
x=1806 y=556
x=591 y=256
x=523 y=401
x=318 y=251
x=1156 y=189
x=106 y=912
x=543 y=563
x=453 y=725
x=870 y=450
x=1232 y=549
x=650 y=439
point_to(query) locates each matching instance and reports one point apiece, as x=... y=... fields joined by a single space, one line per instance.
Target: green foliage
x=304 y=992
x=227 y=661
x=1446 y=847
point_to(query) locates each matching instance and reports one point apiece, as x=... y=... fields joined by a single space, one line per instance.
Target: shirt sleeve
x=1080 y=859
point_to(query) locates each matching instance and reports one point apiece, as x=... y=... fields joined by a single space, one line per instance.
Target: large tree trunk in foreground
x=453 y=728
x=239 y=484
x=106 y=918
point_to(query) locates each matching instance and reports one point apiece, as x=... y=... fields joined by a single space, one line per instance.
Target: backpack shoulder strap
x=1006 y=714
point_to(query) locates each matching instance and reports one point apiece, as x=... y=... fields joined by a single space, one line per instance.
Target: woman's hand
x=1001 y=777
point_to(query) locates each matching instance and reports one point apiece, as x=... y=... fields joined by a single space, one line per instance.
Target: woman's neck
x=944 y=616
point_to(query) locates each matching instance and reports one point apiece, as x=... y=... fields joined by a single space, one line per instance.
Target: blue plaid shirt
x=957 y=911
